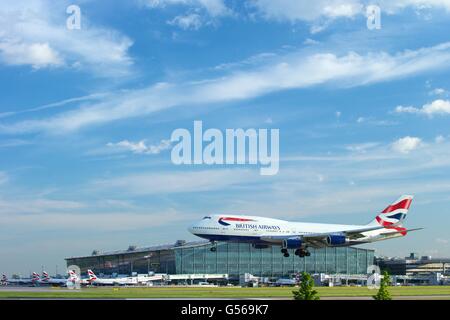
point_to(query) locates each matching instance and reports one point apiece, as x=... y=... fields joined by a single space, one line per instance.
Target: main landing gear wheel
x=214 y=247
x=302 y=253
x=285 y=252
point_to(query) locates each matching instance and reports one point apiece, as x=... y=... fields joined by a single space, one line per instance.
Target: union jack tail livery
x=395 y=213
x=45 y=276
x=92 y=276
x=35 y=277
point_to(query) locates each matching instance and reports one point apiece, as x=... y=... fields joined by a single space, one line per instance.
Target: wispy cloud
x=140 y=147
x=304 y=10
x=52 y=105
x=178 y=182
x=188 y=21
x=114 y=221
x=292 y=71
x=198 y=12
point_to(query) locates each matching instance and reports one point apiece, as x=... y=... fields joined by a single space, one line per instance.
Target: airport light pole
x=148 y=262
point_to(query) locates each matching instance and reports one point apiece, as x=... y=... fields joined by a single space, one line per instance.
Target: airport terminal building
x=234 y=259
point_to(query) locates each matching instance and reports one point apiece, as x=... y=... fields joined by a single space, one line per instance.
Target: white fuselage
x=257 y=230
x=115 y=281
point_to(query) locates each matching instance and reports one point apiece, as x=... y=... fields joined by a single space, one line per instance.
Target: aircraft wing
x=320 y=239
x=400 y=231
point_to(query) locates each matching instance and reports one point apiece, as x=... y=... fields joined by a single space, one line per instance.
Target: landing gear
x=214 y=246
x=285 y=252
x=302 y=252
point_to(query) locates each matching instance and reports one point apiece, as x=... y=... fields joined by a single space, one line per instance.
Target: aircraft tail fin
x=72 y=275
x=92 y=276
x=45 y=276
x=395 y=213
x=35 y=277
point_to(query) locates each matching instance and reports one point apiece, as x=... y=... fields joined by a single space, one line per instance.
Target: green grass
x=220 y=292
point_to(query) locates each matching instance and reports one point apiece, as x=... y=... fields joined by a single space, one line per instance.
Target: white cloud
x=189 y=21
x=213 y=7
x=198 y=12
x=407 y=144
x=306 y=10
x=38 y=55
x=34 y=33
x=310 y=42
x=393 y=7
x=141 y=146
x=437 y=107
x=291 y=71
x=438 y=92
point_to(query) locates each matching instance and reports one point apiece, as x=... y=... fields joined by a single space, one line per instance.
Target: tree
x=383 y=292
x=306 y=291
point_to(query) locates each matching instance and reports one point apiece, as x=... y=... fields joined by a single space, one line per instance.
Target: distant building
x=415 y=265
x=234 y=259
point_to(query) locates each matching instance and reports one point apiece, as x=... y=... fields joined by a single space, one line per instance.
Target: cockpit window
x=206 y=217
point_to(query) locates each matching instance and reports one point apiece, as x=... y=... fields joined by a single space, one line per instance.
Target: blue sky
x=85 y=116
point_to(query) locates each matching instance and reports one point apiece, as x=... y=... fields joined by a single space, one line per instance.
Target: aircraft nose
x=191 y=228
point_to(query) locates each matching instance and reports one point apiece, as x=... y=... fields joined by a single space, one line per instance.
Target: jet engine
x=335 y=240
x=292 y=243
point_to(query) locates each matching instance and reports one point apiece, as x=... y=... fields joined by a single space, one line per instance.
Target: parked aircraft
x=93 y=279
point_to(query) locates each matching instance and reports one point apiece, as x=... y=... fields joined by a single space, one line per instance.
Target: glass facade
x=232 y=258
x=238 y=258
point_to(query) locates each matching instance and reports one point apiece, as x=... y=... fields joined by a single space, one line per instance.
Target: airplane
x=34 y=280
x=4 y=280
x=282 y=282
x=93 y=279
x=264 y=232
x=47 y=280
